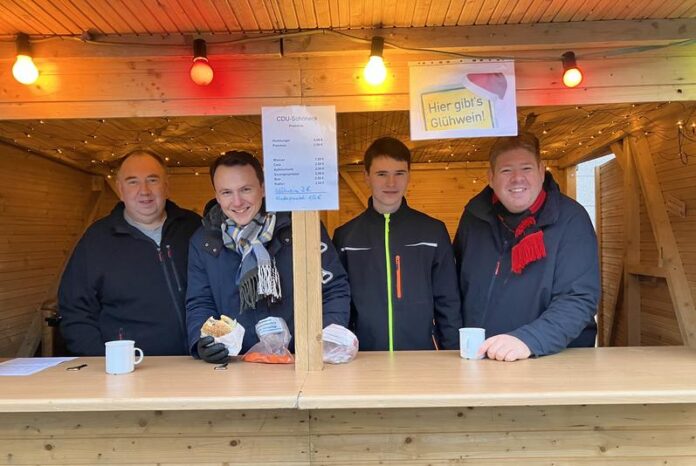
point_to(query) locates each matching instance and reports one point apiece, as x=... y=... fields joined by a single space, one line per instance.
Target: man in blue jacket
x=240 y=261
x=399 y=262
x=528 y=262
x=126 y=278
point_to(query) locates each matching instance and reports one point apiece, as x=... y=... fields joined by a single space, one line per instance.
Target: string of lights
x=375 y=72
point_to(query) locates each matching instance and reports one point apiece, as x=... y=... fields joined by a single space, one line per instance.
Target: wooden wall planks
x=545 y=435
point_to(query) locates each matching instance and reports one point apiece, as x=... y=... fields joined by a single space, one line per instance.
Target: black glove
x=209 y=351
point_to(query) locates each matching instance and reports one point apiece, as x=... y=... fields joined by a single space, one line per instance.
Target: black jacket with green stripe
x=403 y=280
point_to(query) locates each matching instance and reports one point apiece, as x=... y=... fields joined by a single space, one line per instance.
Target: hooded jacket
x=212 y=290
x=403 y=280
x=552 y=303
x=120 y=284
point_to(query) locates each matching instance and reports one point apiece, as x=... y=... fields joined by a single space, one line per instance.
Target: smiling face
x=143 y=187
x=517 y=179
x=239 y=192
x=388 y=180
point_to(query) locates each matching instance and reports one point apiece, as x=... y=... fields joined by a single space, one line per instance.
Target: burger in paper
x=226 y=331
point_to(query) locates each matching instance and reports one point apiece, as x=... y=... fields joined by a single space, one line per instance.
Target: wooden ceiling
x=183 y=17
x=567 y=133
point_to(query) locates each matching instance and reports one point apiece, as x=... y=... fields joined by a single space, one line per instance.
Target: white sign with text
x=462 y=99
x=300 y=158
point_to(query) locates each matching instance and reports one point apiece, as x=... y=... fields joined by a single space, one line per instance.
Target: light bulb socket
x=377 y=47
x=23 y=45
x=200 y=49
x=569 y=61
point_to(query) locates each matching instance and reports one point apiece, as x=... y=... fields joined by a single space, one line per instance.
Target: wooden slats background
x=676 y=176
x=170 y=17
x=635 y=435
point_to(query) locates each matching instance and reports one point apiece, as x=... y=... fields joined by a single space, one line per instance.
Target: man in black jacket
x=126 y=278
x=399 y=262
x=527 y=255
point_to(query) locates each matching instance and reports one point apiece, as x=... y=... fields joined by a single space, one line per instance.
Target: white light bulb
x=24 y=70
x=375 y=72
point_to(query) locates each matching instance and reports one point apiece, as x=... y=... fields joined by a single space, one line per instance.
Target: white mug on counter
x=120 y=356
x=470 y=340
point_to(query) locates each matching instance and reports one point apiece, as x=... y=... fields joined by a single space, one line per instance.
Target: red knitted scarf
x=529 y=239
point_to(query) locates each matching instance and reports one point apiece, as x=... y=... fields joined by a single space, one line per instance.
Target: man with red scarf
x=527 y=259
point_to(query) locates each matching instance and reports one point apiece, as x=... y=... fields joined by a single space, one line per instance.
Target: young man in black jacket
x=126 y=278
x=400 y=263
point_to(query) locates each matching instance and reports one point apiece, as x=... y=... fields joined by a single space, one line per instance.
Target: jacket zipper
x=390 y=310
x=173 y=295
x=170 y=255
x=490 y=288
x=398 y=277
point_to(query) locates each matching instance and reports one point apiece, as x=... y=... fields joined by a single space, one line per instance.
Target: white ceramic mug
x=470 y=340
x=120 y=356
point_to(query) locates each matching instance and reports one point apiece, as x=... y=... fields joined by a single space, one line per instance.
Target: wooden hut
x=114 y=76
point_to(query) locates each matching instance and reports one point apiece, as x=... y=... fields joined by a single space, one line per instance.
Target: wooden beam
x=500 y=37
x=354 y=187
x=601 y=316
x=248 y=46
x=647 y=270
x=571 y=184
x=617 y=150
x=134 y=87
x=679 y=288
x=333 y=221
x=631 y=233
x=307 y=279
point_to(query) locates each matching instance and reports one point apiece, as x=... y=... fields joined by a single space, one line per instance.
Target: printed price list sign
x=300 y=158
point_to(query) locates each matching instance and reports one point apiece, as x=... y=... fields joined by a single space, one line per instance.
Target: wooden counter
x=573 y=377
x=614 y=406
x=158 y=383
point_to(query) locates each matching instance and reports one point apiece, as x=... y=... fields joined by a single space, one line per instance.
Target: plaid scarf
x=257 y=276
x=528 y=245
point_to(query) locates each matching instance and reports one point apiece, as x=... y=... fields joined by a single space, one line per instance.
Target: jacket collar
x=120 y=226
x=400 y=212
x=481 y=206
x=212 y=237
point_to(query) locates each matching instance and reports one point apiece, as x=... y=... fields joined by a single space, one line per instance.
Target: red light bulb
x=201 y=71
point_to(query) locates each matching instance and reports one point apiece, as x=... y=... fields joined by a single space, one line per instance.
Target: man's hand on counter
x=209 y=351
x=504 y=348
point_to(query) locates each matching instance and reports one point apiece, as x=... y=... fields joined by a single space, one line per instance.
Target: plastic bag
x=272 y=348
x=340 y=344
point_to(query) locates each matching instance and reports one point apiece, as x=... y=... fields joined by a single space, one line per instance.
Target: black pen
x=76 y=368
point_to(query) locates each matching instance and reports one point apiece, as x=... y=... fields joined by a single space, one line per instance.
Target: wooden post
x=333 y=221
x=306 y=265
x=601 y=324
x=631 y=227
x=571 y=184
x=678 y=285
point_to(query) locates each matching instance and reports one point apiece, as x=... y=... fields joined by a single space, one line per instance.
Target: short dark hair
x=139 y=152
x=236 y=158
x=524 y=140
x=387 y=147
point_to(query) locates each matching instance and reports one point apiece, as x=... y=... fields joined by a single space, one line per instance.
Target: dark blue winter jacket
x=120 y=284
x=552 y=303
x=212 y=290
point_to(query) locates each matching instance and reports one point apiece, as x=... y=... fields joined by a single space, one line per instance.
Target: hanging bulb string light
x=97 y=40
x=572 y=75
x=201 y=72
x=375 y=72
x=24 y=70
